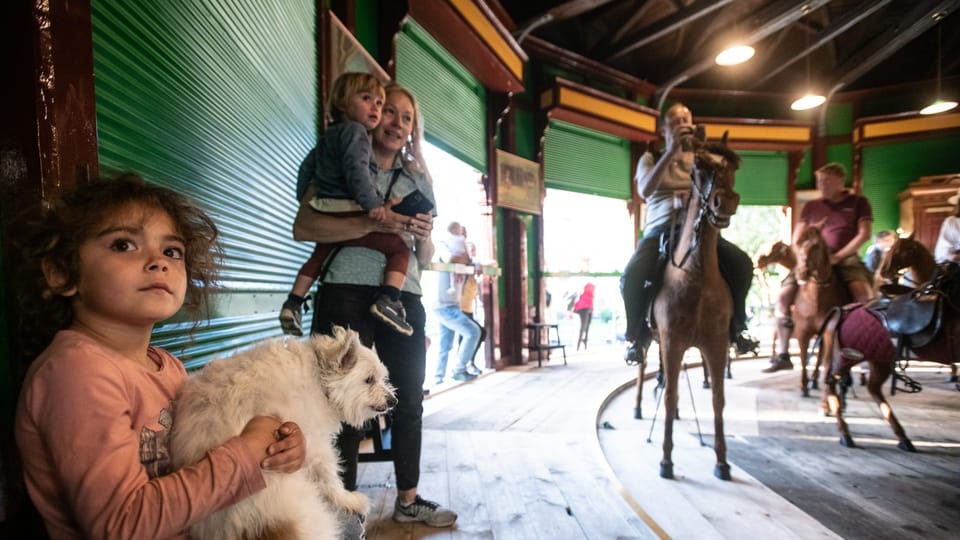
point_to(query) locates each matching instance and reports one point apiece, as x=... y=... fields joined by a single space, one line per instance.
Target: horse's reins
x=704 y=196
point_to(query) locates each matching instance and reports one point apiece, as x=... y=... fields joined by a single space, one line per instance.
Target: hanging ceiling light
x=735 y=54
x=807 y=102
x=939 y=105
x=810 y=100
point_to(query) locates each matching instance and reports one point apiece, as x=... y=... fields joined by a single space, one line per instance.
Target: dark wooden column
x=47 y=144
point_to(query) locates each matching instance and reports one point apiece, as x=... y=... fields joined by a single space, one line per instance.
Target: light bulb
x=809 y=101
x=736 y=54
x=938 y=106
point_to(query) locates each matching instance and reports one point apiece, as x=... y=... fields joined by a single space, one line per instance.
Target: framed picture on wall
x=518 y=183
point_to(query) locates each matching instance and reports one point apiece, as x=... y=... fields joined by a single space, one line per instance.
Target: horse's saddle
x=917 y=316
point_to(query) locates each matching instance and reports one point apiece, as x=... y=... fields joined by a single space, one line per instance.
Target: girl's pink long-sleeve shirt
x=92 y=431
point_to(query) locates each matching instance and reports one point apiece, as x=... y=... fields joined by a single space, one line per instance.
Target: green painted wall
x=366 y=22
x=526 y=143
x=888 y=169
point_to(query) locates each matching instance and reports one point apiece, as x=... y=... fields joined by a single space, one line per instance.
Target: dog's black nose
x=391 y=402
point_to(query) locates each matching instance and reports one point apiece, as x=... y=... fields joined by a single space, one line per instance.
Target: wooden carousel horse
x=693 y=306
x=926 y=321
x=779 y=253
x=911 y=262
x=820 y=290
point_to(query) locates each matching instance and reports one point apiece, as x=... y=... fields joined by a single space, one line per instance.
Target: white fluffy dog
x=317 y=383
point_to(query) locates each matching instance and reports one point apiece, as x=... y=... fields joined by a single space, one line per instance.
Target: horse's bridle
x=705 y=211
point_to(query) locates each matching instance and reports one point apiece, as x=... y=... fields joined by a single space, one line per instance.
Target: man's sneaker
x=473 y=369
x=291 y=318
x=745 y=343
x=463 y=376
x=636 y=354
x=391 y=313
x=424 y=511
x=778 y=363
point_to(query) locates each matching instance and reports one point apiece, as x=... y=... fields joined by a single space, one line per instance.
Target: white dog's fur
x=316 y=383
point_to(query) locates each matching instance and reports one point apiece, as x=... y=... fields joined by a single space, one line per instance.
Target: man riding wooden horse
x=844 y=219
x=689 y=190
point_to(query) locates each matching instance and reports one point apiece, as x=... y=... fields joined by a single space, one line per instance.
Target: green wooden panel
x=366 y=18
x=586 y=161
x=526 y=144
x=452 y=101
x=883 y=201
x=216 y=100
x=840 y=118
x=843 y=154
x=888 y=169
x=762 y=178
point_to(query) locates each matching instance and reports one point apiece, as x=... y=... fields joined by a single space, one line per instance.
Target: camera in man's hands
x=693 y=137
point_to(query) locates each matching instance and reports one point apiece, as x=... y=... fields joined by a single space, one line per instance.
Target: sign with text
x=518 y=183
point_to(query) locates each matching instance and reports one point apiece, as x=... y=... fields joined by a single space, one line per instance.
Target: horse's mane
x=721 y=149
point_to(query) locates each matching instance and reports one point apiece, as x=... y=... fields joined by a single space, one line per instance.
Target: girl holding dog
x=100 y=268
x=353 y=279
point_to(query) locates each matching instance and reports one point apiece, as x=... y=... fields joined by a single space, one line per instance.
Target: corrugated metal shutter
x=452 y=101
x=579 y=159
x=762 y=178
x=217 y=100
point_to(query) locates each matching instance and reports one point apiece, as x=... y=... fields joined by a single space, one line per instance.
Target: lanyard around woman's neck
x=393 y=180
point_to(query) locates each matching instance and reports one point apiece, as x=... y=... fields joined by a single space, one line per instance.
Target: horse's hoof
x=722 y=471
x=847 y=441
x=952 y=378
x=805 y=392
x=730 y=375
x=666 y=470
x=906 y=446
x=706 y=385
x=637 y=413
x=815 y=385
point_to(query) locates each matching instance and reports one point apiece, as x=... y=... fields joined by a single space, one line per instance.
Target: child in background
x=456 y=245
x=99 y=269
x=339 y=170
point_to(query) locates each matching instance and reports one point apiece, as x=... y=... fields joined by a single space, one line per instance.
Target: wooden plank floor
x=518 y=454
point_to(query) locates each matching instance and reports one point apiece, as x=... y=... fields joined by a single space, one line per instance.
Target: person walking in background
x=468 y=300
x=948 y=240
x=353 y=278
x=339 y=171
x=453 y=320
x=584 y=309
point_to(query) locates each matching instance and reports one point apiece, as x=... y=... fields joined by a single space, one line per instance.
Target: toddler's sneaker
x=424 y=511
x=391 y=313
x=291 y=318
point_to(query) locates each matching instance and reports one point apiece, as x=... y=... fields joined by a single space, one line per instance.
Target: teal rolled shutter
x=762 y=178
x=587 y=161
x=452 y=101
x=216 y=100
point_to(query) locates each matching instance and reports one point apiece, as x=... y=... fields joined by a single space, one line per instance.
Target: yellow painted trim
x=759 y=133
x=606 y=109
x=911 y=125
x=482 y=26
x=546 y=98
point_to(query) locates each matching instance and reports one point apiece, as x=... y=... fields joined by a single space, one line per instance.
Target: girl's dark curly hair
x=53 y=236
